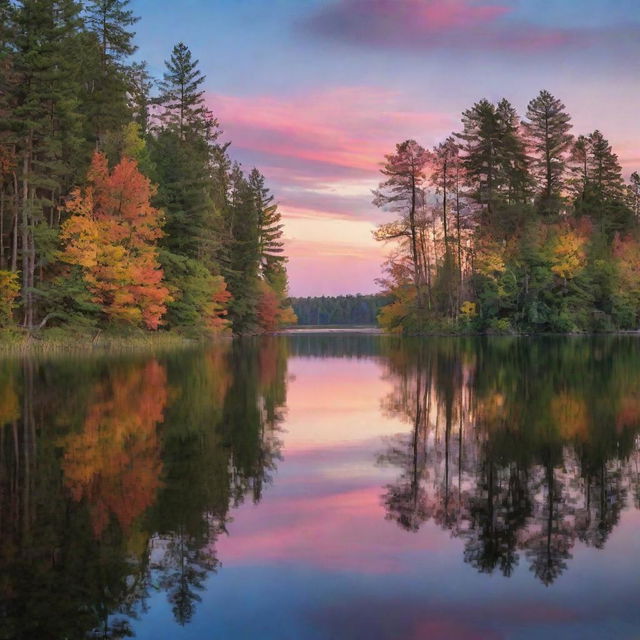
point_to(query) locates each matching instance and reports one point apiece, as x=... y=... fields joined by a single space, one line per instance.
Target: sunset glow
x=320 y=91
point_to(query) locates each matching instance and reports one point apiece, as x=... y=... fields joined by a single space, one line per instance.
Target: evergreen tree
x=515 y=180
x=140 y=84
x=186 y=154
x=600 y=186
x=481 y=140
x=46 y=126
x=633 y=194
x=181 y=95
x=241 y=266
x=110 y=20
x=270 y=243
x=107 y=45
x=548 y=127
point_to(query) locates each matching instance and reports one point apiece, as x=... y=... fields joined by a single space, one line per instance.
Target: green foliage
x=338 y=310
x=548 y=225
x=68 y=88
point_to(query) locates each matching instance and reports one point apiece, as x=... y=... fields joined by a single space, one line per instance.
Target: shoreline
x=14 y=344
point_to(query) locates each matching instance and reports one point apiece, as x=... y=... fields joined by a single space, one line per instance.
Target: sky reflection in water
x=324 y=486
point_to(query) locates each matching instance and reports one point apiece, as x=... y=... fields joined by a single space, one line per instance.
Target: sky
x=315 y=93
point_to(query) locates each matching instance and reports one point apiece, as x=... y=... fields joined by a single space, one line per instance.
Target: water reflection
x=517 y=447
x=117 y=476
x=120 y=476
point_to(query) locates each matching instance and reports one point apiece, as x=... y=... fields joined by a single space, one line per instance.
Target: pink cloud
x=317 y=532
x=341 y=128
x=431 y=24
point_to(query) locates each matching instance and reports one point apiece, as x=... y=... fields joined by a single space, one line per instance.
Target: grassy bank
x=57 y=340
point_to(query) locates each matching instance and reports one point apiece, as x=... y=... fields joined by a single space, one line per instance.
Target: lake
x=324 y=486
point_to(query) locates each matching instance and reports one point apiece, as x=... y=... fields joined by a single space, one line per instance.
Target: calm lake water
x=324 y=486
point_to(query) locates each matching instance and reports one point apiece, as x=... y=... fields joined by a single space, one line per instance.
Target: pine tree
x=443 y=162
x=110 y=20
x=8 y=159
x=579 y=166
x=481 y=141
x=548 y=127
x=187 y=156
x=604 y=169
x=270 y=243
x=181 y=95
x=515 y=180
x=633 y=194
x=107 y=45
x=243 y=257
x=46 y=126
x=140 y=84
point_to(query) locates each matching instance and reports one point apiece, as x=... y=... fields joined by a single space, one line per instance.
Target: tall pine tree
x=548 y=127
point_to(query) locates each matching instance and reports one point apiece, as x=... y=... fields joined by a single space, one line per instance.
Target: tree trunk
x=26 y=296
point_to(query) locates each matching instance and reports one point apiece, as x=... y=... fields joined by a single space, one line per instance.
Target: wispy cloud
x=463 y=25
x=334 y=134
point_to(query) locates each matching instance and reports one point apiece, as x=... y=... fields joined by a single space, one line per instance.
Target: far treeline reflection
x=118 y=474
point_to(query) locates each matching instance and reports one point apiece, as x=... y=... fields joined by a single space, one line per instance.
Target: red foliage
x=111 y=235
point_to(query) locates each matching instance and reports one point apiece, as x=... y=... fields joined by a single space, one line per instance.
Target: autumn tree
x=405 y=172
x=111 y=236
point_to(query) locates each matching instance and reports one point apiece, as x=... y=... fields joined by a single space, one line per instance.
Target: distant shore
x=368 y=329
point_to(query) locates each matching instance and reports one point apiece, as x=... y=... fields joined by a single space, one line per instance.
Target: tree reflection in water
x=518 y=447
x=116 y=479
x=118 y=473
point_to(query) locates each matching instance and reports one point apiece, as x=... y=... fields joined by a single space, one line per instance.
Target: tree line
x=119 y=202
x=338 y=310
x=511 y=224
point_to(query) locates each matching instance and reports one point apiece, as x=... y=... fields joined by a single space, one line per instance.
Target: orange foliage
x=7 y=160
x=271 y=315
x=9 y=402
x=569 y=414
x=114 y=462
x=111 y=235
x=268 y=307
x=628 y=416
x=627 y=254
x=215 y=314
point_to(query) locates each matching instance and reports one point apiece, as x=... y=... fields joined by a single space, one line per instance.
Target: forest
x=120 y=205
x=338 y=310
x=510 y=225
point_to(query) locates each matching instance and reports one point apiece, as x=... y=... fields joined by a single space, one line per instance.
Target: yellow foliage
x=469 y=309
x=9 y=403
x=568 y=254
x=490 y=262
x=569 y=413
x=390 y=317
x=9 y=290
